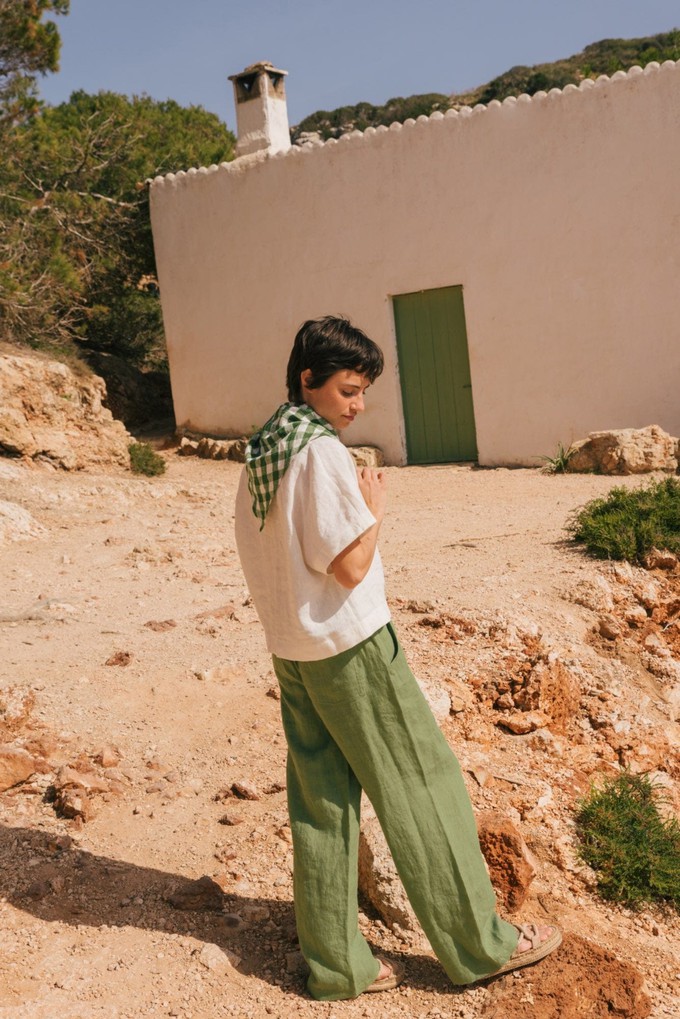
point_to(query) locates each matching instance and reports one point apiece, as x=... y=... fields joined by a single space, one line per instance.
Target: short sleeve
x=331 y=512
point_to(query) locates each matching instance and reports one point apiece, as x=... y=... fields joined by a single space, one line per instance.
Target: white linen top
x=318 y=510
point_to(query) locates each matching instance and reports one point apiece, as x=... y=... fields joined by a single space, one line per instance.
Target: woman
x=307 y=526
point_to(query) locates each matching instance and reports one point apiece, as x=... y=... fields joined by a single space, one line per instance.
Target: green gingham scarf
x=269 y=452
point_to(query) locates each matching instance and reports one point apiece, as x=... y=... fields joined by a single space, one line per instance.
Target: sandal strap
x=529 y=931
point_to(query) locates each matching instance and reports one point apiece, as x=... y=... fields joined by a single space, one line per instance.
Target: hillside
x=604 y=57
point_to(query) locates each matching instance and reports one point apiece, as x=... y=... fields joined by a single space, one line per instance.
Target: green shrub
x=626 y=524
x=634 y=850
x=143 y=460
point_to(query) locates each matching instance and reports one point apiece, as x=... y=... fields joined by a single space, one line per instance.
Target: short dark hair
x=327 y=345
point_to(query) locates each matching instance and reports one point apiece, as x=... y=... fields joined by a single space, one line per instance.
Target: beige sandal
x=389 y=982
x=539 y=949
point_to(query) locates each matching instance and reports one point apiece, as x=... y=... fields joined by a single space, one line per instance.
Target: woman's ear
x=306 y=377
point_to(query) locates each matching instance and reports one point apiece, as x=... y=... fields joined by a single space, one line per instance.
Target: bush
x=628 y=524
x=632 y=848
x=143 y=460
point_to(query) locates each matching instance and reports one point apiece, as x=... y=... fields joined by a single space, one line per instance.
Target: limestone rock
x=16 y=765
x=245 y=790
x=626 y=451
x=109 y=756
x=510 y=863
x=17 y=524
x=380 y=883
x=593 y=593
x=208 y=448
x=609 y=627
x=50 y=413
x=16 y=705
x=522 y=722
x=660 y=559
x=438 y=699
x=220 y=960
x=367 y=456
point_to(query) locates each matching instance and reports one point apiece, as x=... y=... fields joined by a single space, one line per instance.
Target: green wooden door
x=434 y=370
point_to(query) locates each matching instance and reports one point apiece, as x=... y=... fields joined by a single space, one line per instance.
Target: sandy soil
x=184 y=708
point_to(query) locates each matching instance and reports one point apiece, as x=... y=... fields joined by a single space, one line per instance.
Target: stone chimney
x=261 y=111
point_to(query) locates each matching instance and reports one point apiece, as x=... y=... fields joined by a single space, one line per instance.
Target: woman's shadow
x=50 y=877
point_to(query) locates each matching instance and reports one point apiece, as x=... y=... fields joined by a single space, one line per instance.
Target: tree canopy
x=28 y=46
x=76 y=253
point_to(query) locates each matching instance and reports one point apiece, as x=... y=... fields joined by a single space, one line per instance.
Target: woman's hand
x=354 y=562
x=373 y=486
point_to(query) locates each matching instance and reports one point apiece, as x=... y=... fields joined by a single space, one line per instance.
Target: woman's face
x=339 y=399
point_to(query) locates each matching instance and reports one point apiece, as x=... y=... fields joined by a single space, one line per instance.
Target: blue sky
x=337 y=52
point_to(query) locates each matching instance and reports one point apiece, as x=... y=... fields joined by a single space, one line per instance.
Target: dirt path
x=164 y=718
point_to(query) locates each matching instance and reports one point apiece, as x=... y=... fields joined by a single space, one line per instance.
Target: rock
x=594 y=593
x=16 y=765
x=635 y=615
x=160 y=625
x=609 y=627
x=16 y=705
x=209 y=448
x=219 y=960
x=187 y=447
x=74 y=804
x=68 y=777
x=230 y=819
x=73 y=793
x=245 y=790
x=551 y=689
x=510 y=863
x=579 y=979
x=237 y=450
x=660 y=559
x=121 y=658
x=17 y=524
x=419 y=606
x=626 y=451
x=522 y=722
x=109 y=756
x=295 y=963
x=201 y=894
x=220 y=674
x=380 y=883
x=437 y=697
x=50 y=413
x=367 y=456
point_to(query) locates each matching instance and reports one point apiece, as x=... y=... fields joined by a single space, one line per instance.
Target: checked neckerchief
x=269 y=451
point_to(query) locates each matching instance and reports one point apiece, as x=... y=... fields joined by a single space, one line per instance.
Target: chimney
x=261 y=111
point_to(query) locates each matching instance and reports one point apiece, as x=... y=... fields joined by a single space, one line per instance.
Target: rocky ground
x=145 y=859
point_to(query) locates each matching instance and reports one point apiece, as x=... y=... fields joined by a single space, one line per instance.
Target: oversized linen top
x=318 y=510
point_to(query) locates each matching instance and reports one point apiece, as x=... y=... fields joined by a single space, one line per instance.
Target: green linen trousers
x=359 y=721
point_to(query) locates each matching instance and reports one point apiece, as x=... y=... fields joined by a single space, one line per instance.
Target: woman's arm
x=352 y=564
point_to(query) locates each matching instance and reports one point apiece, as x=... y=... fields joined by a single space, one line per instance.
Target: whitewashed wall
x=559 y=215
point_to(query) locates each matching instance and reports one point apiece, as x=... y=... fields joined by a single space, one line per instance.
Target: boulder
x=49 y=412
x=16 y=765
x=510 y=863
x=380 y=883
x=626 y=451
x=367 y=456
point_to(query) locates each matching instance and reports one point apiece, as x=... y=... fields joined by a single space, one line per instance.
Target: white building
x=518 y=263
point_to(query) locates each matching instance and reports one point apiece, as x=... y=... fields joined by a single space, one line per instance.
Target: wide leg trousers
x=359 y=720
